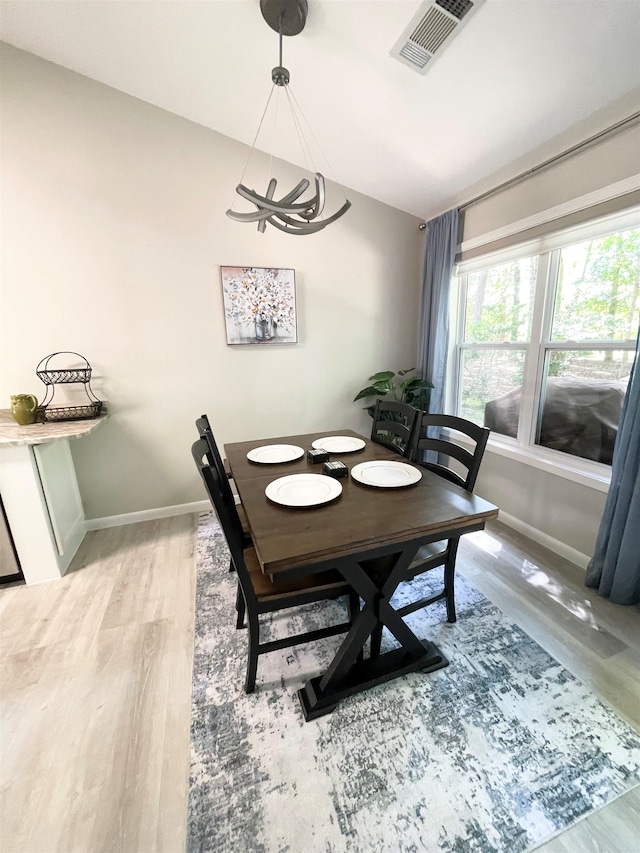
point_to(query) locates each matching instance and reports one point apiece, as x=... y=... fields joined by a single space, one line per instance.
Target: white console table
x=40 y=493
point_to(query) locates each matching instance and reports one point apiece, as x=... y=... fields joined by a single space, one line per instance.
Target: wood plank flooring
x=96 y=685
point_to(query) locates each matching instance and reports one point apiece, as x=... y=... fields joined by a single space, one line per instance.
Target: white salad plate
x=303 y=490
x=338 y=444
x=385 y=474
x=271 y=454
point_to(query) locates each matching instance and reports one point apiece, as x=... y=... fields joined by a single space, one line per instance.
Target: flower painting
x=259 y=305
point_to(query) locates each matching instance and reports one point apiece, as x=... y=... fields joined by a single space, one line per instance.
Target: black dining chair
x=203 y=425
x=462 y=464
x=459 y=465
x=214 y=458
x=394 y=425
x=257 y=593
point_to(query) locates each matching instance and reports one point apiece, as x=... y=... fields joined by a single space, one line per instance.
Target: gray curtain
x=615 y=567
x=433 y=333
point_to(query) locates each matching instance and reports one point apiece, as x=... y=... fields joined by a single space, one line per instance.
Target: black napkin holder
x=319 y=455
x=335 y=469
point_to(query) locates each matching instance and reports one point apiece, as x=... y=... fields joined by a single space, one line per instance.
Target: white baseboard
x=555 y=545
x=146 y=515
x=71 y=543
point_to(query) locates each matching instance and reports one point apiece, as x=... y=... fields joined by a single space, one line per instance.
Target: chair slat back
x=224 y=507
x=204 y=430
x=445 y=445
x=394 y=425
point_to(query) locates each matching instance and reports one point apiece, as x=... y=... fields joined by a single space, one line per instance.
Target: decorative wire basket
x=66 y=376
x=69 y=413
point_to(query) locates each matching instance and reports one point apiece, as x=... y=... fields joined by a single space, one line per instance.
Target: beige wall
x=560 y=508
x=113 y=230
x=613 y=159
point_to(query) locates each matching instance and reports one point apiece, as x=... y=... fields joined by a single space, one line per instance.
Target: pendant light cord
x=304 y=145
x=246 y=165
x=315 y=138
x=264 y=113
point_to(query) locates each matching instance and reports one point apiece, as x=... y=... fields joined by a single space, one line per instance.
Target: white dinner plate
x=303 y=490
x=271 y=454
x=338 y=444
x=385 y=474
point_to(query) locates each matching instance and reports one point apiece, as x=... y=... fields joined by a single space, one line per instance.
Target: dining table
x=369 y=531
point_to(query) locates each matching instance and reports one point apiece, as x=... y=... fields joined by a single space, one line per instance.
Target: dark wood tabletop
x=362 y=518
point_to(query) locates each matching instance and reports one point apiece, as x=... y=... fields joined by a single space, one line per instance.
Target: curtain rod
x=518 y=178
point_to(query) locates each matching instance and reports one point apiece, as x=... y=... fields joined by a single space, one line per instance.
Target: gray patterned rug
x=498 y=752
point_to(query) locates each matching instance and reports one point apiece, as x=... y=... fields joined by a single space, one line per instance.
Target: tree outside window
x=583 y=301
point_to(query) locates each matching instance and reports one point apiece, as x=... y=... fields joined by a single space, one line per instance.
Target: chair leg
x=240 y=607
x=376 y=641
x=252 y=654
x=449 y=580
x=353 y=606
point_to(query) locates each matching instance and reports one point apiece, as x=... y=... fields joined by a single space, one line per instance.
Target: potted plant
x=412 y=390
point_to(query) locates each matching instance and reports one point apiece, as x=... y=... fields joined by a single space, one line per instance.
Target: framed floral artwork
x=259 y=305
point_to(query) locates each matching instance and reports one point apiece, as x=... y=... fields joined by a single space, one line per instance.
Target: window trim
x=595 y=475
x=523 y=449
x=557 y=240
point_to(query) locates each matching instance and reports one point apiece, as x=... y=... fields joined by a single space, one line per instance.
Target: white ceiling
x=523 y=78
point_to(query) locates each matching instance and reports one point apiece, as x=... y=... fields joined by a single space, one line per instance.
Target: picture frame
x=259 y=305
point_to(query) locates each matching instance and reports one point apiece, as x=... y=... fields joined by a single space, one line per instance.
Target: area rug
x=499 y=751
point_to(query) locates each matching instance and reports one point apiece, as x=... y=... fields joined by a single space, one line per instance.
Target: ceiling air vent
x=431 y=28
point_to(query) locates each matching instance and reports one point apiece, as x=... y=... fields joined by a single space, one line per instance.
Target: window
x=546 y=342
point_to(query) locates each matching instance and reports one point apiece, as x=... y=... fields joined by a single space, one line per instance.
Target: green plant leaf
x=419 y=397
x=384 y=386
x=371 y=391
x=416 y=384
x=384 y=376
x=412 y=390
x=412 y=387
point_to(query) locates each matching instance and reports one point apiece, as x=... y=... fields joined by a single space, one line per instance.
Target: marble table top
x=14 y=435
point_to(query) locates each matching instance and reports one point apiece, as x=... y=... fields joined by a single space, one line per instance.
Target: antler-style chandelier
x=289 y=213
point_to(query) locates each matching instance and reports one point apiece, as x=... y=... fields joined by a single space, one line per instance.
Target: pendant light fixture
x=289 y=213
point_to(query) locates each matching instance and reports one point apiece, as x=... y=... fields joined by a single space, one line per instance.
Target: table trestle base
x=365 y=674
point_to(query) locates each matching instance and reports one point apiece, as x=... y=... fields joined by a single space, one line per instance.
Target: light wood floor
x=96 y=685
x=97 y=680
